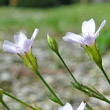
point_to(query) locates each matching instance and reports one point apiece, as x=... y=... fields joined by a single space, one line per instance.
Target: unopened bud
x=52 y=43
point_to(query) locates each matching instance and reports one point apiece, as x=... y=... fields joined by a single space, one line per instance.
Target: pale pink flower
x=68 y=106
x=88 y=34
x=21 y=45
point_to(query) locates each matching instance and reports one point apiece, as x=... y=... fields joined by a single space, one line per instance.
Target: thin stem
x=4 y=104
x=105 y=74
x=80 y=88
x=89 y=107
x=86 y=92
x=97 y=93
x=18 y=100
x=91 y=90
x=103 y=97
x=92 y=94
x=67 y=68
x=50 y=89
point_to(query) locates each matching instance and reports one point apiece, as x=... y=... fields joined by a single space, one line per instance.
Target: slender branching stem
x=105 y=75
x=18 y=100
x=90 y=92
x=4 y=104
x=89 y=107
x=67 y=68
x=50 y=89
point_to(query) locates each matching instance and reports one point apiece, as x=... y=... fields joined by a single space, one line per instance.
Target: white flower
x=88 y=34
x=67 y=106
x=21 y=45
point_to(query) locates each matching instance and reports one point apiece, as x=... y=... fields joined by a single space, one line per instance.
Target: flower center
x=19 y=49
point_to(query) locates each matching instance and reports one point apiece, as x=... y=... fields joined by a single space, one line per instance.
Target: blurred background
x=55 y=17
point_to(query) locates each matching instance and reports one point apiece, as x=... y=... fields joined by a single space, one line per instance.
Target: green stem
x=50 y=89
x=94 y=94
x=105 y=74
x=88 y=106
x=81 y=89
x=67 y=68
x=86 y=92
x=97 y=93
x=91 y=90
x=18 y=100
x=91 y=93
x=5 y=105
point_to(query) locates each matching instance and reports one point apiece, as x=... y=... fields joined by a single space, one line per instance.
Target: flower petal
x=34 y=34
x=89 y=40
x=73 y=38
x=9 y=47
x=27 y=45
x=101 y=26
x=67 y=106
x=88 y=27
x=20 y=39
x=82 y=106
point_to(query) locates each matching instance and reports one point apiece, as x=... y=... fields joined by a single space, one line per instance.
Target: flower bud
x=52 y=43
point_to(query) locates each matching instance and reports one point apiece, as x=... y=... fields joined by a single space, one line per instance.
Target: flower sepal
x=30 y=61
x=94 y=54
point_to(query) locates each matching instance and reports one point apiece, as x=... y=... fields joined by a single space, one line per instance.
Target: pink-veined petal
x=82 y=106
x=101 y=26
x=88 y=27
x=9 y=47
x=73 y=38
x=67 y=106
x=27 y=45
x=34 y=34
x=20 y=39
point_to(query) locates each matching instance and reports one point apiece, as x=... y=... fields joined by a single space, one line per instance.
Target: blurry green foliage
x=44 y=3
x=65 y=2
x=103 y=41
x=4 y=2
x=37 y=3
x=55 y=21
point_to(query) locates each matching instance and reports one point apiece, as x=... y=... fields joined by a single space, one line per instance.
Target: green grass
x=55 y=21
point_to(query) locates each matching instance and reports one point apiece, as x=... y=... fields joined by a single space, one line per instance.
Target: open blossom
x=88 y=34
x=21 y=45
x=67 y=106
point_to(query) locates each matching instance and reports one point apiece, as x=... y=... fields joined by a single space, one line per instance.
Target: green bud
x=52 y=43
x=30 y=61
